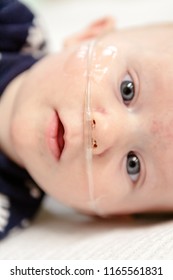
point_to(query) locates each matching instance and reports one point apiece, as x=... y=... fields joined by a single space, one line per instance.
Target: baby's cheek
x=162 y=132
x=161 y=148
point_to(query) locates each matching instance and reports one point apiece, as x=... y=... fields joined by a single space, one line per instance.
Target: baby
x=92 y=124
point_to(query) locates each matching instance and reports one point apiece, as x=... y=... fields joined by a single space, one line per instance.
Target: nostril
x=93 y=123
x=94 y=144
x=93 y=141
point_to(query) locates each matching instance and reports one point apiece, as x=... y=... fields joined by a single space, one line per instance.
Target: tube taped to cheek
x=101 y=55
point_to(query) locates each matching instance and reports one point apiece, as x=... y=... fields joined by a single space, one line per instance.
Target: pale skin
x=144 y=126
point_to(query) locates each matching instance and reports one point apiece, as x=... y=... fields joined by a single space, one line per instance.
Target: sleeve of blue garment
x=20 y=197
x=22 y=41
x=21 y=45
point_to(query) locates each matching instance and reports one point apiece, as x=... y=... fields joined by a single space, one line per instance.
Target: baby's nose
x=106 y=132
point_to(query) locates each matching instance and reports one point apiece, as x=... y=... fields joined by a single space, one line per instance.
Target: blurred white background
x=61 y=18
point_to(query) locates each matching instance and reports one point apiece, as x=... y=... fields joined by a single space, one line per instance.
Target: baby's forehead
x=150 y=36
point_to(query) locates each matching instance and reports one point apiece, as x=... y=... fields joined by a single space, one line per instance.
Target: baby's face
x=132 y=123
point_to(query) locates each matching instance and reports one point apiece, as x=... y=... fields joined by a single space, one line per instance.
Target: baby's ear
x=94 y=30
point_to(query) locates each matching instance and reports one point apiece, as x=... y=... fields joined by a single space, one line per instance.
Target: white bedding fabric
x=58 y=232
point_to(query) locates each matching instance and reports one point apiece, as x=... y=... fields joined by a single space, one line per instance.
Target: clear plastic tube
x=100 y=57
x=88 y=130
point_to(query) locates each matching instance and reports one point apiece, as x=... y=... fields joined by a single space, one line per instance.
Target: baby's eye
x=127 y=89
x=133 y=166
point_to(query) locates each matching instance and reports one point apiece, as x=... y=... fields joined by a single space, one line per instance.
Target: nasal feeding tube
x=88 y=130
x=100 y=56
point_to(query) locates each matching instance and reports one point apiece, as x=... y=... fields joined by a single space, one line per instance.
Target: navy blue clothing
x=20 y=48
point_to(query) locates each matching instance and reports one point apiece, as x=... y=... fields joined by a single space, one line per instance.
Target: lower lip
x=52 y=135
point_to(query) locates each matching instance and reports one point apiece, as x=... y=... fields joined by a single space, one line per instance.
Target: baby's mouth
x=60 y=136
x=55 y=136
